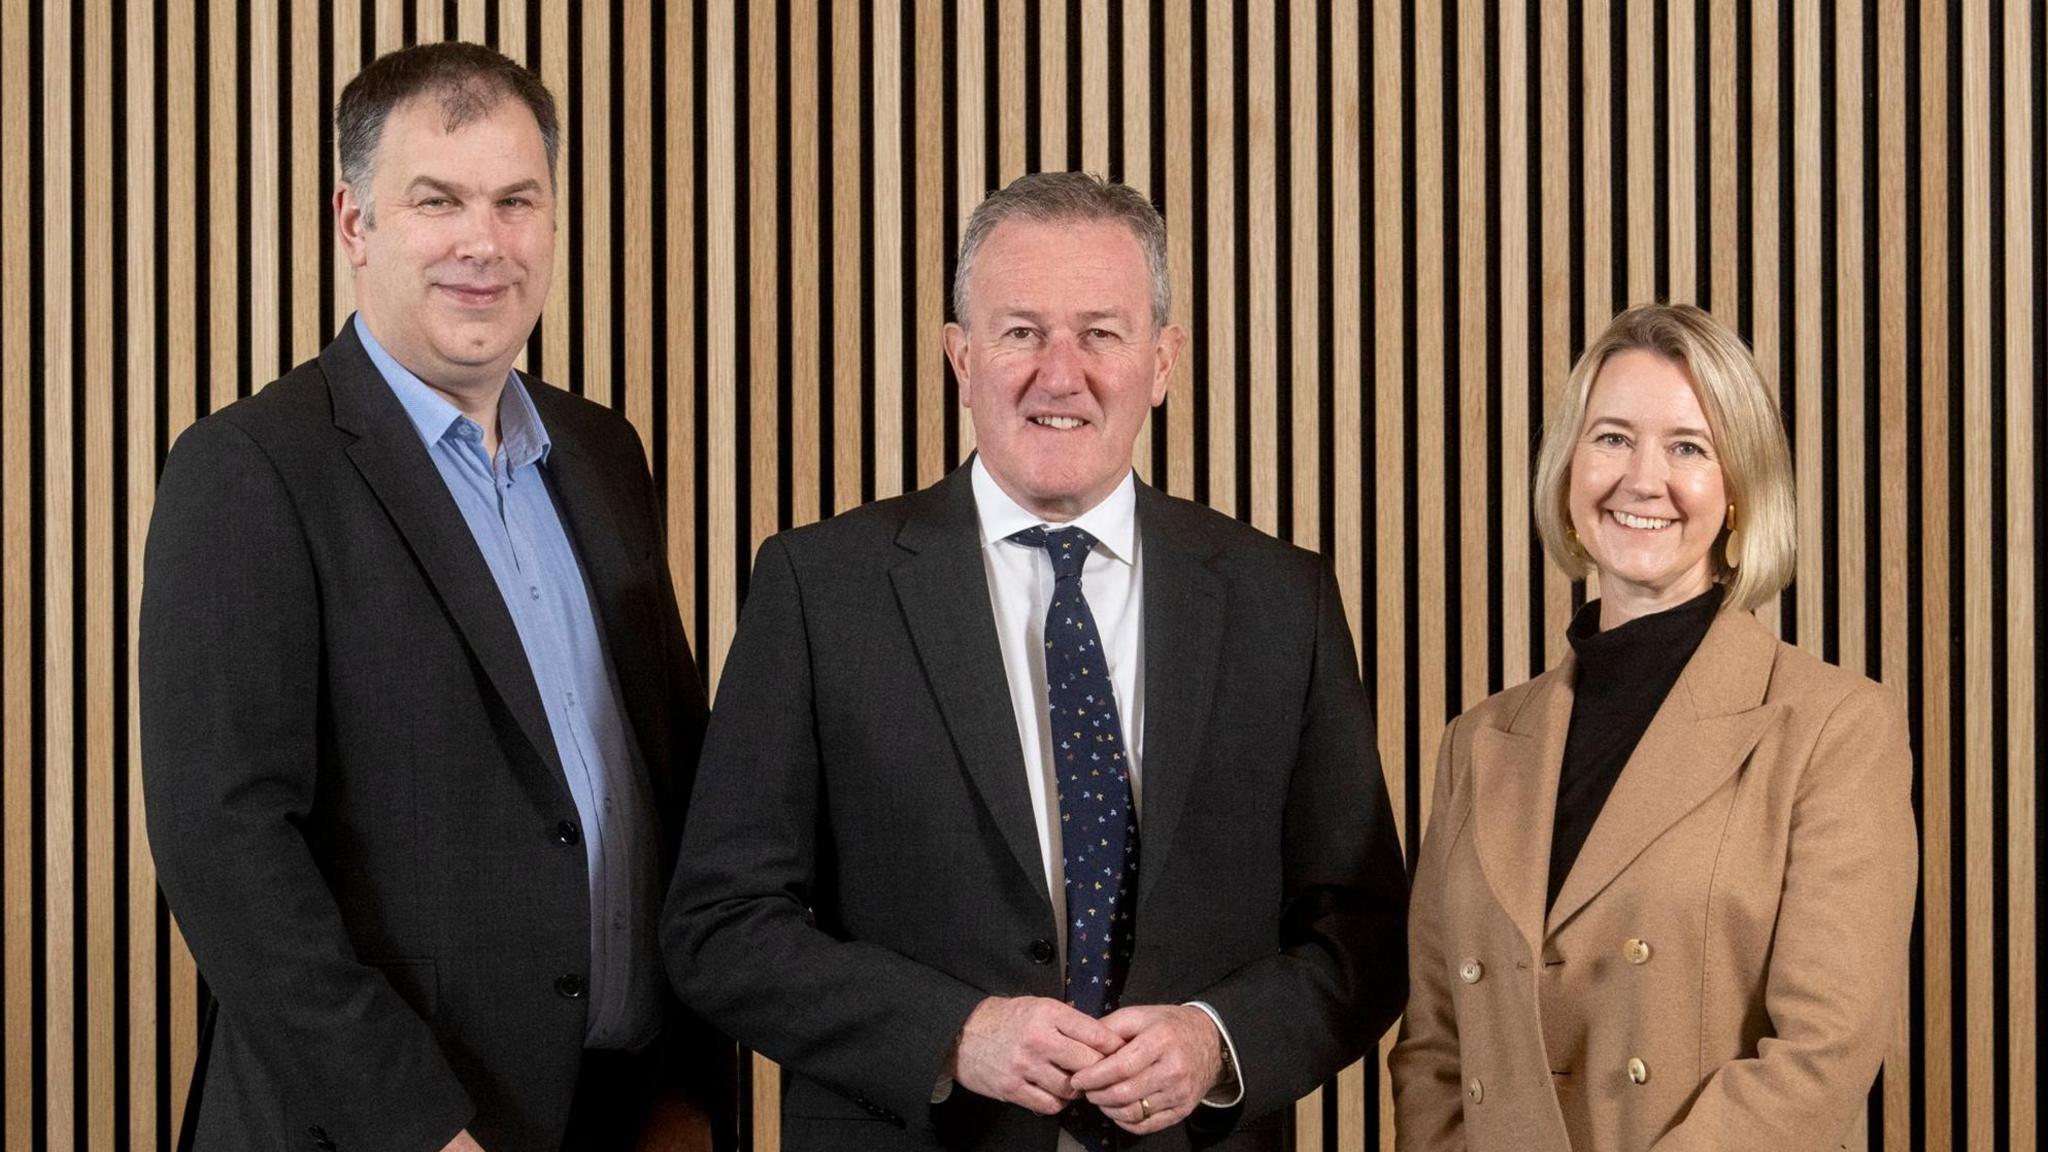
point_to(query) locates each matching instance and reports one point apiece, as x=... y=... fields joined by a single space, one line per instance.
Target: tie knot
x=1068 y=547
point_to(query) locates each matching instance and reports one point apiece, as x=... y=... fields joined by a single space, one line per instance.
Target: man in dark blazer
x=1040 y=809
x=419 y=717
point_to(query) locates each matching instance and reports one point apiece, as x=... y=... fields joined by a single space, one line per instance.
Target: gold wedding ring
x=1144 y=1109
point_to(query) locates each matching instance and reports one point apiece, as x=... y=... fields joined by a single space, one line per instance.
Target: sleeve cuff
x=942 y=1091
x=1229 y=1090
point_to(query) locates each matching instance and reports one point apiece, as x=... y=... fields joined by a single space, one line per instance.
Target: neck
x=1621 y=604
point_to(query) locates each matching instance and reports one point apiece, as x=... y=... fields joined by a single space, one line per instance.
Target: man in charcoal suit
x=1040 y=809
x=419 y=717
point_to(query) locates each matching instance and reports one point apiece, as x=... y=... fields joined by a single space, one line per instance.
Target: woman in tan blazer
x=1666 y=889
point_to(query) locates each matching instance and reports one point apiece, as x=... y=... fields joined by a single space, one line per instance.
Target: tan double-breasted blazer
x=1725 y=962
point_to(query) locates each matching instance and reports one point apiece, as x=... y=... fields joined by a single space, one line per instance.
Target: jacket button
x=1470 y=971
x=566 y=833
x=1637 y=951
x=569 y=987
x=1475 y=1091
x=1041 y=952
x=1638 y=1071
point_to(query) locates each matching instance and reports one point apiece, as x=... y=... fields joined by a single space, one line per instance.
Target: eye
x=434 y=203
x=1610 y=440
x=1690 y=448
x=518 y=203
x=1101 y=336
x=1020 y=332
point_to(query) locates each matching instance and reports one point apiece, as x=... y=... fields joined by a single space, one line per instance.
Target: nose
x=1059 y=367
x=1648 y=471
x=478 y=240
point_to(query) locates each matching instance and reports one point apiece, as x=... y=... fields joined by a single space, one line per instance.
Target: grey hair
x=1069 y=196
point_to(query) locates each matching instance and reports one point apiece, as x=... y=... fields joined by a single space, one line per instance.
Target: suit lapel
x=1183 y=636
x=395 y=465
x=942 y=589
x=1514 y=781
x=577 y=481
x=1701 y=734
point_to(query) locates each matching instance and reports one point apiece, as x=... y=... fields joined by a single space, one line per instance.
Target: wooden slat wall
x=1393 y=226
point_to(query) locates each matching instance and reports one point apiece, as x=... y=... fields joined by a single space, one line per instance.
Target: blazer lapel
x=942 y=589
x=395 y=464
x=1514 y=781
x=629 y=617
x=1183 y=637
x=1701 y=734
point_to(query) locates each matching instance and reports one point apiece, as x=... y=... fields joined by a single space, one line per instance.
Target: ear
x=351 y=224
x=1165 y=354
x=956 y=355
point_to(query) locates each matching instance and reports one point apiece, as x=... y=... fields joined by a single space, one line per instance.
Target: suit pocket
x=415 y=981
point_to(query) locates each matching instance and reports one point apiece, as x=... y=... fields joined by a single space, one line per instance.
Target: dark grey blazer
x=357 y=811
x=861 y=865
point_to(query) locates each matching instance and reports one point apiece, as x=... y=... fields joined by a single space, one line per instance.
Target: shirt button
x=569 y=987
x=533 y=590
x=1638 y=1071
x=1470 y=971
x=1637 y=951
x=572 y=699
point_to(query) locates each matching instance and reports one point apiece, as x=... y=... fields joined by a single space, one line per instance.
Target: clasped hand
x=1146 y=1066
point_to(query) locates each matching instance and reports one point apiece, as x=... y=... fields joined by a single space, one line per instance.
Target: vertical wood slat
x=139 y=255
x=679 y=263
x=1260 y=258
x=16 y=575
x=928 y=360
x=807 y=445
x=1559 y=274
x=1137 y=170
x=1638 y=87
x=1680 y=131
x=61 y=426
x=2021 y=433
x=1980 y=1043
x=884 y=225
x=1894 y=496
x=1304 y=284
x=98 y=480
x=346 y=49
x=1181 y=227
x=1845 y=387
x=636 y=242
x=1474 y=385
x=1052 y=85
x=1219 y=385
x=847 y=442
x=1806 y=335
x=593 y=310
x=557 y=317
x=1432 y=251
x=1937 y=914
x=764 y=262
x=311 y=222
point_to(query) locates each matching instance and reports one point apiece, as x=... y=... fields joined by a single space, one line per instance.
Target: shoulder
x=1817 y=694
x=567 y=415
x=1237 y=551
x=278 y=421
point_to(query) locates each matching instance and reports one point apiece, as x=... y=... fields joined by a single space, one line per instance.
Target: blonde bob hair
x=1749 y=440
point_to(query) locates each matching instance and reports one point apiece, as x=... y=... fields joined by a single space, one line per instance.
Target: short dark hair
x=468 y=79
x=1057 y=197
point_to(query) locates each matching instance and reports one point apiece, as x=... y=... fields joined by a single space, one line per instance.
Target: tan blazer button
x=1475 y=1091
x=1470 y=971
x=1638 y=1071
x=1637 y=951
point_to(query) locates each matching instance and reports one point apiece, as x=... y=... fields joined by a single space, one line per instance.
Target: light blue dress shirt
x=517 y=528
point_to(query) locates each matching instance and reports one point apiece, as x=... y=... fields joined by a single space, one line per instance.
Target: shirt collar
x=521 y=435
x=1113 y=522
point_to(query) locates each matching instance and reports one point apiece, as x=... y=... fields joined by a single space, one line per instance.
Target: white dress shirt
x=1020 y=583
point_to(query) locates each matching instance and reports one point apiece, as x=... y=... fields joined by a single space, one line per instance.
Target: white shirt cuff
x=1230 y=1090
x=942 y=1090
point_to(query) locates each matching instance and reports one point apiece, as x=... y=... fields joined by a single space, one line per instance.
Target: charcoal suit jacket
x=862 y=866
x=357 y=810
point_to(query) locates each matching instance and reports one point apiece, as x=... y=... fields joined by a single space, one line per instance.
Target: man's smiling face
x=454 y=247
x=1060 y=359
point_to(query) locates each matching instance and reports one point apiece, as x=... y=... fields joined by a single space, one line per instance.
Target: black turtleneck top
x=1622 y=677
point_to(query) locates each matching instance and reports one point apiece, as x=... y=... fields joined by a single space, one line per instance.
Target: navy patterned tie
x=1098 y=824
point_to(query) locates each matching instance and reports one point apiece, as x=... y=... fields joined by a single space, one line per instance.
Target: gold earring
x=1731 y=549
x=1571 y=539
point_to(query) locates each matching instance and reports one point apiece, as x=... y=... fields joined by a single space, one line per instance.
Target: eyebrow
x=1629 y=426
x=447 y=189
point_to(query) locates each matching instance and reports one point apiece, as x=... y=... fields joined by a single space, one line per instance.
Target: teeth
x=1062 y=422
x=1649 y=522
